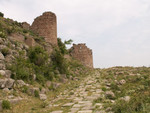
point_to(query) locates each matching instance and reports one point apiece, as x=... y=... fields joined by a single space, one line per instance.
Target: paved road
x=81 y=99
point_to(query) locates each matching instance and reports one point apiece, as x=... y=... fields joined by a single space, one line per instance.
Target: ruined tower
x=83 y=54
x=46 y=26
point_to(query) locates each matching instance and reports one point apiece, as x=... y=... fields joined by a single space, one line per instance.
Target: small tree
x=62 y=46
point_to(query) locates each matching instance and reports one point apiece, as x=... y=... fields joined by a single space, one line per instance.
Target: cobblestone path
x=81 y=99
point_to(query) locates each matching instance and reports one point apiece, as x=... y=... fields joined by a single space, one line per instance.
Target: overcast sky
x=118 y=31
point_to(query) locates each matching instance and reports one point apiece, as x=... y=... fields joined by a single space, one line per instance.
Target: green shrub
x=62 y=46
x=104 y=89
x=3 y=34
x=5 y=104
x=99 y=100
x=22 y=69
x=44 y=104
x=40 y=78
x=114 y=86
x=38 y=55
x=10 y=30
x=25 y=31
x=59 y=62
x=5 y=51
x=25 y=89
x=1 y=14
x=36 y=93
x=39 y=39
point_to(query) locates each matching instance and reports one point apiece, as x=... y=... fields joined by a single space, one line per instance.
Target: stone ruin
x=83 y=54
x=46 y=26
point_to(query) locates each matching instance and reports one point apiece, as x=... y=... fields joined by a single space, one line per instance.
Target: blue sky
x=118 y=31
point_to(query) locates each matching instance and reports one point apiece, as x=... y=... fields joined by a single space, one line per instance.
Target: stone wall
x=83 y=54
x=46 y=26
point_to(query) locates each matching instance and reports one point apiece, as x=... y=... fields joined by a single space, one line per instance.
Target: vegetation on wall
x=42 y=64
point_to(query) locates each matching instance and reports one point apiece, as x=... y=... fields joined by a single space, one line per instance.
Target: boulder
x=2 y=72
x=32 y=90
x=8 y=73
x=20 y=83
x=2 y=47
x=121 y=82
x=48 y=83
x=15 y=100
x=9 y=83
x=2 y=65
x=110 y=94
x=1 y=56
x=56 y=85
x=63 y=80
x=126 y=98
x=6 y=90
x=70 y=77
x=9 y=58
x=2 y=83
x=34 y=76
x=43 y=91
x=43 y=96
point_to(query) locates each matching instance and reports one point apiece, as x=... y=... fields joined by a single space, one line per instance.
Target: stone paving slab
x=85 y=111
x=57 y=112
x=67 y=105
x=74 y=110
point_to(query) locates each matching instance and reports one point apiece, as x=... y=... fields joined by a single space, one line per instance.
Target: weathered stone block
x=30 y=42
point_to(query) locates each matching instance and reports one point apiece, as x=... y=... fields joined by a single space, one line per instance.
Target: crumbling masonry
x=46 y=26
x=83 y=54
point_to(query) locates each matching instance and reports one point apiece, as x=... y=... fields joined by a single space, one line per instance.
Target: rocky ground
x=112 y=90
x=81 y=99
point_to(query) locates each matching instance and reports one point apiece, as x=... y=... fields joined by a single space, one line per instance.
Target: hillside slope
x=30 y=67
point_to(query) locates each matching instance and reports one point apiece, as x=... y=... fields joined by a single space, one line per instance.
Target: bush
x=5 y=104
x=104 y=89
x=1 y=14
x=24 y=89
x=59 y=61
x=3 y=34
x=36 y=93
x=62 y=46
x=37 y=55
x=22 y=69
x=5 y=51
x=40 y=78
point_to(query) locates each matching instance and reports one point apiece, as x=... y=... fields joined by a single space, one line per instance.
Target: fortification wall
x=83 y=54
x=46 y=26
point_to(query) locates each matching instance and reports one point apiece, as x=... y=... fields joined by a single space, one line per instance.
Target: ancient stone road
x=82 y=98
